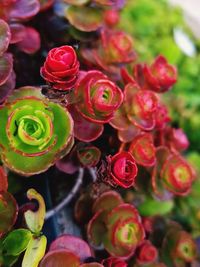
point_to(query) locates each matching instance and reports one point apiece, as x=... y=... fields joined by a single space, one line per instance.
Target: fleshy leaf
x=34 y=252
x=60 y=257
x=30 y=42
x=35 y=220
x=85 y=130
x=151 y=207
x=8 y=212
x=17 y=32
x=4 y=36
x=107 y=201
x=23 y=9
x=85 y=19
x=96 y=228
x=7 y=87
x=16 y=242
x=6 y=64
x=3 y=180
x=73 y=244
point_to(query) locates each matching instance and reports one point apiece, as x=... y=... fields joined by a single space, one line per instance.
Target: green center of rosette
x=30 y=129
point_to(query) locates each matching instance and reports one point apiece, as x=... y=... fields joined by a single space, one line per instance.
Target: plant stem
x=93 y=174
x=68 y=198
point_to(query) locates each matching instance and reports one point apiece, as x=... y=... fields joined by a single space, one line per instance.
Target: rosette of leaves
x=171 y=173
x=97 y=98
x=143 y=150
x=138 y=112
x=34 y=132
x=82 y=155
x=178 y=249
x=113 y=49
x=116 y=225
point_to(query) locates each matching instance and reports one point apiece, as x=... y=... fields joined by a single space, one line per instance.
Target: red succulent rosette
x=122 y=169
x=114 y=262
x=177 y=175
x=88 y=156
x=143 y=150
x=160 y=76
x=140 y=106
x=147 y=253
x=61 y=68
x=171 y=173
x=97 y=97
x=116 y=225
x=138 y=112
x=118 y=47
x=178 y=248
x=113 y=49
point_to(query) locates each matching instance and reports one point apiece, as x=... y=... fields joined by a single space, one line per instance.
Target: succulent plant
x=31 y=138
x=116 y=225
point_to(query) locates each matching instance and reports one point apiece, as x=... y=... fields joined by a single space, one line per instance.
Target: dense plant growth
x=87 y=105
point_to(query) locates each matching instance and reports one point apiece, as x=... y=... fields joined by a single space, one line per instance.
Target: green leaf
x=85 y=18
x=35 y=220
x=152 y=207
x=35 y=252
x=16 y=242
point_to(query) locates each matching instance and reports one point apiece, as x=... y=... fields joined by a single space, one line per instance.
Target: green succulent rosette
x=34 y=133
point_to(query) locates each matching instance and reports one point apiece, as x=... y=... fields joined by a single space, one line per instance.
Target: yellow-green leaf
x=35 y=252
x=35 y=219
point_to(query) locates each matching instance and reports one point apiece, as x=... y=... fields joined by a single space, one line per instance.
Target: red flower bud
x=143 y=150
x=114 y=262
x=122 y=169
x=147 y=253
x=98 y=97
x=61 y=68
x=160 y=76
